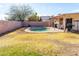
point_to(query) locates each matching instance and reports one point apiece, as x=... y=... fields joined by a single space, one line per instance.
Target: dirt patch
x=68 y=49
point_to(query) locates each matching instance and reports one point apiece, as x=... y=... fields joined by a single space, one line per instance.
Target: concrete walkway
x=56 y=29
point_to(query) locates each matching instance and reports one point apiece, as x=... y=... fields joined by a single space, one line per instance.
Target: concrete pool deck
x=49 y=29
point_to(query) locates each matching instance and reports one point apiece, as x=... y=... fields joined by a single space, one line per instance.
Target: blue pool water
x=40 y=29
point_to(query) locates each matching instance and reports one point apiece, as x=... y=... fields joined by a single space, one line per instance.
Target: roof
x=69 y=13
x=75 y=16
x=56 y=17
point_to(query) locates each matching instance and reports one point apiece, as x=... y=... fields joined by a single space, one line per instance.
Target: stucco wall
x=45 y=24
x=75 y=25
x=74 y=16
x=75 y=20
x=6 y=26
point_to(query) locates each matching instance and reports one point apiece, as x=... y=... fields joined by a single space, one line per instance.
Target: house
x=69 y=21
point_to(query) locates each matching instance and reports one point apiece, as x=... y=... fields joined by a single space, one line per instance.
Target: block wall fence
x=6 y=26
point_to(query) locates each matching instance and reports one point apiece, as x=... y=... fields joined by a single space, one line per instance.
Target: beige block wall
x=45 y=24
x=6 y=26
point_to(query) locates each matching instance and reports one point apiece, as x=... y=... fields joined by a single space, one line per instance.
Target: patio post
x=64 y=23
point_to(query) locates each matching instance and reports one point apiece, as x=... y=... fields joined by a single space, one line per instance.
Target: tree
x=19 y=12
x=34 y=17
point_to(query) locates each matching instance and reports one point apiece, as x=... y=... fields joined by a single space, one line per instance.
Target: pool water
x=38 y=29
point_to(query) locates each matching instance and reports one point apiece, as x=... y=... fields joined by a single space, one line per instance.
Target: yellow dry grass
x=41 y=43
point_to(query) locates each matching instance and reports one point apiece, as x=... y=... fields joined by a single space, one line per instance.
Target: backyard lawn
x=19 y=43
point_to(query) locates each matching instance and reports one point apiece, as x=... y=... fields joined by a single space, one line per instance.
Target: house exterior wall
x=56 y=21
x=74 y=16
x=75 y=20
x=76 y=25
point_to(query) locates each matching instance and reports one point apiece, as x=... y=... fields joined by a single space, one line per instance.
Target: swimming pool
x=36 y=29
x=42 y=29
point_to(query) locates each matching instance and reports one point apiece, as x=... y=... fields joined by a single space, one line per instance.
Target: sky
x=44 y=9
